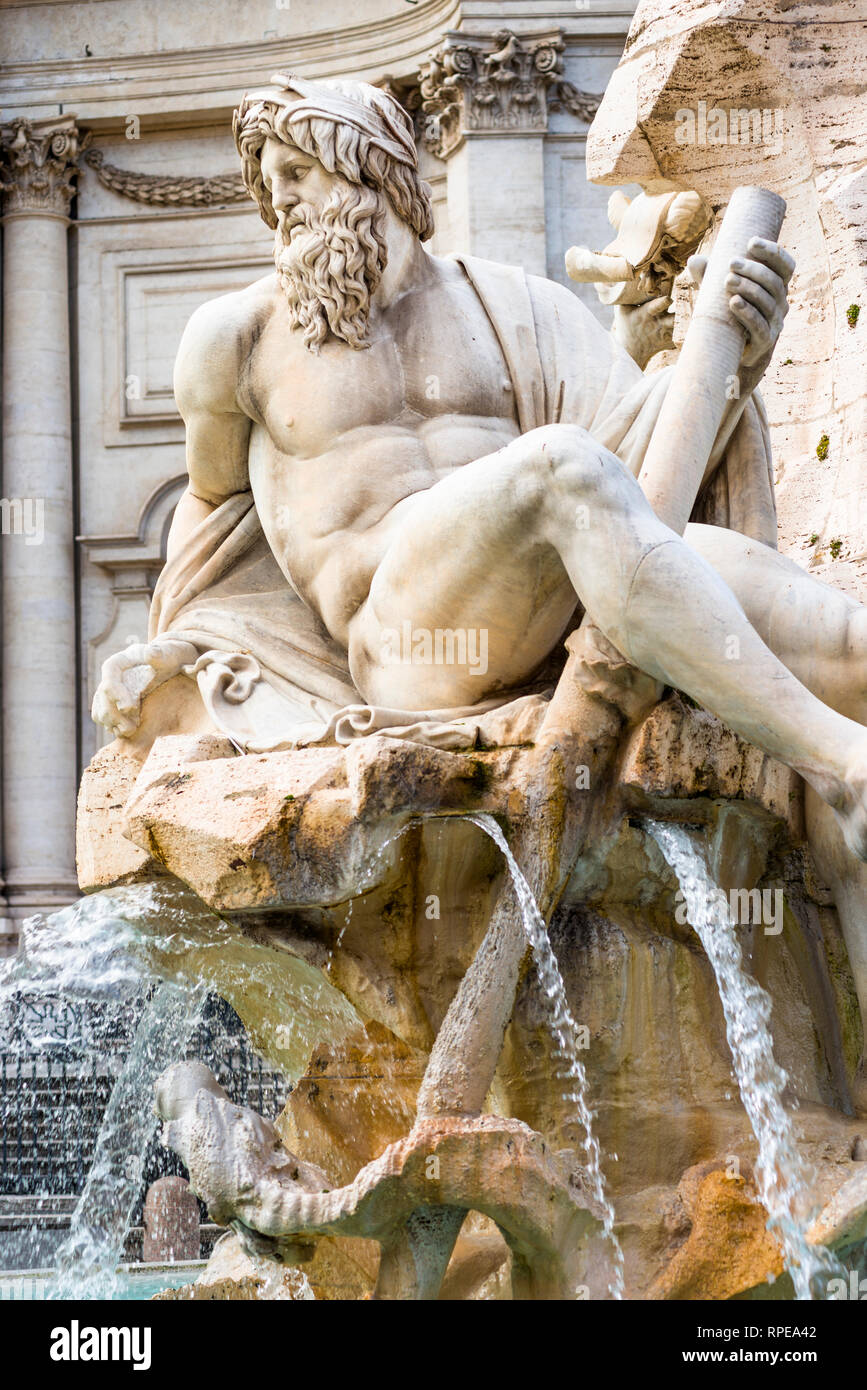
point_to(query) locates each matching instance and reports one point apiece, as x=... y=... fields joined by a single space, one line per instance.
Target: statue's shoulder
x=549 y=299
x=234 y=316
x=220 y=336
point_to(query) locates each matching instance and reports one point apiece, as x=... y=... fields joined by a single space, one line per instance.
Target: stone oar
x=677 y=456
x=467 y=1048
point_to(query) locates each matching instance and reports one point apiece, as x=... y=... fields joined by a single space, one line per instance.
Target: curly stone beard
x=330 y=262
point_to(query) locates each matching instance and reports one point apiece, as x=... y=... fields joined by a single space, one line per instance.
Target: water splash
x=91 y=953
x=564 y=1030
x=88 y=1258
x=85 y=952
x=783 y=1178
x=146 y=952
x=281 y=1283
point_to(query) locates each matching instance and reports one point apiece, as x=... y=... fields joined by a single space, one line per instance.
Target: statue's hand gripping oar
x=699 y=392
x=678 y=455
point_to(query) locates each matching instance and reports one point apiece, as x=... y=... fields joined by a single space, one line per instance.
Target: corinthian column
x=37 y=174
x=485 y=102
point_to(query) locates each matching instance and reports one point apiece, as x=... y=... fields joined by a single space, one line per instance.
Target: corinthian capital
x=499 y=84
x=39 y=164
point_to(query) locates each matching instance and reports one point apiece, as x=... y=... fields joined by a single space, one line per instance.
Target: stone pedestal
x=38 y=167
x=171 y=1222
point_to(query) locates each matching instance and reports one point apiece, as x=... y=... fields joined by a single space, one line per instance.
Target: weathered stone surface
x=354 y=1100
x=843 y=1221
x=339 y=1268
x=314 y=826
x=343 y=1268
x=729 y=1249
x=305 y=828
x=247 y=831
x=793 y=66
x=104 y=855
x=681 y=753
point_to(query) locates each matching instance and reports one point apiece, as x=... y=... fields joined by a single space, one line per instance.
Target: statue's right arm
x=207 y=371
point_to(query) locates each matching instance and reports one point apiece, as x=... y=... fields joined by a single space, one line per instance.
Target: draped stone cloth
x=270 y=674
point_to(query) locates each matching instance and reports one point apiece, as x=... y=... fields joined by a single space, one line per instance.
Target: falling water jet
x=782 y=1176
x=87 y=1260
x=563 y=1028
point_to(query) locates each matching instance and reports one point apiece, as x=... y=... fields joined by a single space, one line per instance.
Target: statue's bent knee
x=561 y=457
x=557 y=445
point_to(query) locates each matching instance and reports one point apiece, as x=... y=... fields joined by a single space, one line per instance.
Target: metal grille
x=52 y=1098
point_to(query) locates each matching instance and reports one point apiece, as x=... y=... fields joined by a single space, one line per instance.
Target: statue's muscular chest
x=432 y=357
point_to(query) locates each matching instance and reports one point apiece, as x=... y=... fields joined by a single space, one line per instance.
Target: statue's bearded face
x=329 y=247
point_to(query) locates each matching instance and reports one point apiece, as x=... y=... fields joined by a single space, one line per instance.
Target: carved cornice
x=177 y=79
x=505 y=83
x=168 y=190
x=39 y=164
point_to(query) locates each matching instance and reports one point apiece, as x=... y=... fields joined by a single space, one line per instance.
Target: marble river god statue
x=404 y=444
x=411 y=480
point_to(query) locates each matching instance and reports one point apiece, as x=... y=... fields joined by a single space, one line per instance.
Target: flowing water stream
x=88 y=1259
x=782 y=1176
x=90 y=953
x=564 y=1030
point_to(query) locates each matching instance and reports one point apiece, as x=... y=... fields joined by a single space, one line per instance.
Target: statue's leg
x=818 y=632
x=821 y=635
x=475 y=553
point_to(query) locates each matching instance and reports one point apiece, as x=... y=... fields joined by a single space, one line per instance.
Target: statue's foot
x=852 y=813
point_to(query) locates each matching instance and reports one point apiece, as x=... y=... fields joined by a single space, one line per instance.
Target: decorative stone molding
x=566 y=96
x=39 y=164
x=168 y=190
x=145 y=550
x=495 y=85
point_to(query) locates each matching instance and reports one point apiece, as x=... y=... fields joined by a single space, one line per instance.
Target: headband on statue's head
x=382 y=121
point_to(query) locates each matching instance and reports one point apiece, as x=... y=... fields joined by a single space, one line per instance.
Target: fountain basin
x=358 y=862
x=133 y=1282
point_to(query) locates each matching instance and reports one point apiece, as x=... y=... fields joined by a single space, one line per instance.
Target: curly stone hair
x=339 y=147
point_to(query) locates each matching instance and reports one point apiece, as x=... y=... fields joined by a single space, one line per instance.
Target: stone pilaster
x=477 y=89
x=38 y=165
